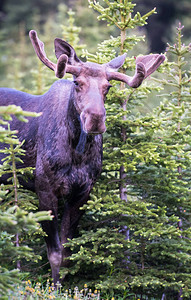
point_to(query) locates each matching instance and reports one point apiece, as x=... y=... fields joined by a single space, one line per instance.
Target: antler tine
x=145 y=65
x=39 y=49
x=134 y=81
x=61 y=67
x=151 y=62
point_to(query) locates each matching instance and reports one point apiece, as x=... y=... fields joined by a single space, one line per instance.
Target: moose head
x=91 y=80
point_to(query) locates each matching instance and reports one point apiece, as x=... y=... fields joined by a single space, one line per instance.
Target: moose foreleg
x=54 y=252
x=70 y=221
x=54 y=248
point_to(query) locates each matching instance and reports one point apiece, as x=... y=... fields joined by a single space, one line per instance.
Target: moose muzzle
x=93 y=120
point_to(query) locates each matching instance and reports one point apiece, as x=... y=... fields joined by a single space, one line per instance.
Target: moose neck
x=79 y=137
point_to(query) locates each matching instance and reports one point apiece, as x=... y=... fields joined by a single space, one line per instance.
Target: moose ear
x=117 y=62
x=62 y=47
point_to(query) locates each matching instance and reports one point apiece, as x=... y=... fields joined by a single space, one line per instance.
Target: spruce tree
x=114 y=203
x=15 y=222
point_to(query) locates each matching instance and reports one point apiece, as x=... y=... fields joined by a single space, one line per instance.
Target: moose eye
x=76 y=83
x=108 y=88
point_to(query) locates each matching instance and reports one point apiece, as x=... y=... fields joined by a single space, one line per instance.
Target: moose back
x=64 y=144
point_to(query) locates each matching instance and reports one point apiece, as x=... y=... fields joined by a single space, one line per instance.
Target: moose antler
x=145 y=65
x=61 y=67
x=151 y=62
x=68 y=62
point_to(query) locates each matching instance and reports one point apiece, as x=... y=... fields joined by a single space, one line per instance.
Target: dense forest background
x=159 y=29
x=48 y=17
x=133 y=241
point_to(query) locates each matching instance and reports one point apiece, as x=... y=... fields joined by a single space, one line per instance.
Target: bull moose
x=64 y=144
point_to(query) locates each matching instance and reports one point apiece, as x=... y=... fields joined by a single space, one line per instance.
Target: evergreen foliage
x=15 y=222
x=135 y=235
